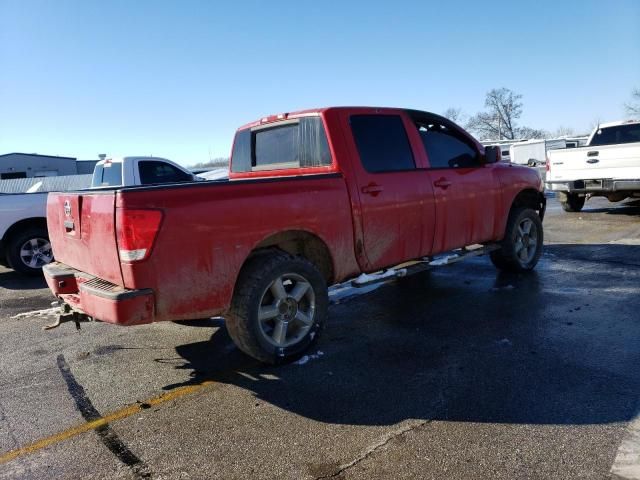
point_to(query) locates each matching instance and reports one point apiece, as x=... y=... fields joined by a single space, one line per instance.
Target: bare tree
x=454 y=114
x=633 y=107
x=215 y=162
x=595 y=123
x=563 y=131
x=499 y=121
x=527 y=132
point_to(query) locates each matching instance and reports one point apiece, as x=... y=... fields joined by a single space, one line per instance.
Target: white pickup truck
x=24 y=241
x=609 y=166
x=126 y=171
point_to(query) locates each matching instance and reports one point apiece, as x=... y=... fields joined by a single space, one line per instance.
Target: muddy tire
x=28 y=251
x=571 y=202
x=522 y=243
x=278 y=308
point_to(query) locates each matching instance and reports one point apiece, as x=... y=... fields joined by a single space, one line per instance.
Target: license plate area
x=593 y=184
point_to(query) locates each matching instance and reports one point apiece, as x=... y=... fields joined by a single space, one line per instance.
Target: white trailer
x=534 y=152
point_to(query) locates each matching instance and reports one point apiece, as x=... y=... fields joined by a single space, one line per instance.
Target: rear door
x=467 y=192
x=393 y=199
x=82 y=233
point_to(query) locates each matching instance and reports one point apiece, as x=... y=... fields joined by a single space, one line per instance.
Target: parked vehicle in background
x=534 y=152
x=503 y=145
x=124 y=171
x=609 y=166
x=215 y=174
x=24 y=244
x=24 y=240
x=316 y=198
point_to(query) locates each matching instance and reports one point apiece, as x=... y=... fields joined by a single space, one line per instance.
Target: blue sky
x=176 y=79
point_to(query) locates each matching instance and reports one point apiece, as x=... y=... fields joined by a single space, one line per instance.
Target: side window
x=161 y=172
x=445 y=149
x=288 y=144
x=382 y=143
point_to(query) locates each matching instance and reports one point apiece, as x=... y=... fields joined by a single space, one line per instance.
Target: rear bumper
x=595 y=185
x=98 y=298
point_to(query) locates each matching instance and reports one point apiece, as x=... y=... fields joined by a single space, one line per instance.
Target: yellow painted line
x=112 y=417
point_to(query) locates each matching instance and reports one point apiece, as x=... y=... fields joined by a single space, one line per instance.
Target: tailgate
x=588 y=163
x=82 y=233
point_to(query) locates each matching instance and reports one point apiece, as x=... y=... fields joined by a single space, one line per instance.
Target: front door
x=467 y=192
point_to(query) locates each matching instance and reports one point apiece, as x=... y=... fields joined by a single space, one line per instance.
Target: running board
x=427 y=263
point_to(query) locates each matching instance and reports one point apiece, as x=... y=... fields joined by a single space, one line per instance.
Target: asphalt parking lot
x=458 y=373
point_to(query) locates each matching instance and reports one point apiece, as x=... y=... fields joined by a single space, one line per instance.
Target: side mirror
x=492 y=154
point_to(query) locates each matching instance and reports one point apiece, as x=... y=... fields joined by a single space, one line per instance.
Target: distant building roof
x=36 y=155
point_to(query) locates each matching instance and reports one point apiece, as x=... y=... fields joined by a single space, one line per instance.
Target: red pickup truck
x=314 y=198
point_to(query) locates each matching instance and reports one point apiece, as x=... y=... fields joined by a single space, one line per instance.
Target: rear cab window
x=616 y=135
x=107 y=174
x=382 y=143
x=298 y=143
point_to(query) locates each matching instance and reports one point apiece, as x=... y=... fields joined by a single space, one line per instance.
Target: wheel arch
x=299 y=243
x=25 y=223
x=530 y=198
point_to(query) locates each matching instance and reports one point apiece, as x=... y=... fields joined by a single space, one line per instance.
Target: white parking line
x=627 y=463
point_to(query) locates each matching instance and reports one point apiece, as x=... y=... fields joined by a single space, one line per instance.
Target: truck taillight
x=547 y=164
x=136 y=231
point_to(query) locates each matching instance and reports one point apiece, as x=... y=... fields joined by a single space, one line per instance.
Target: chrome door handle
x=372 y=189
x=442 y=183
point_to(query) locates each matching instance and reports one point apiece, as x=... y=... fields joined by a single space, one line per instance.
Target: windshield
x=107 y=175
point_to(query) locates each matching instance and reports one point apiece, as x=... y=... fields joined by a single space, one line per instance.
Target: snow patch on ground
x=343 y=291
x=365 y=277
x=442 y=260
x=373 y=277
x=306 y=358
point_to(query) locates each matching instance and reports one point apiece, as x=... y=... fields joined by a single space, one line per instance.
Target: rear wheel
x=571 y=202
x=522 y=243
x=28 y=251
x=278 y=308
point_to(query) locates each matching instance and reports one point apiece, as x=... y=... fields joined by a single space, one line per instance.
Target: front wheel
x=279 y=307
x=522 y=243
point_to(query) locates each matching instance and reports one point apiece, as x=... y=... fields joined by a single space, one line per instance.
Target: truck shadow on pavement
x=631 y=208
x=15 y=281
x=464 y=344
